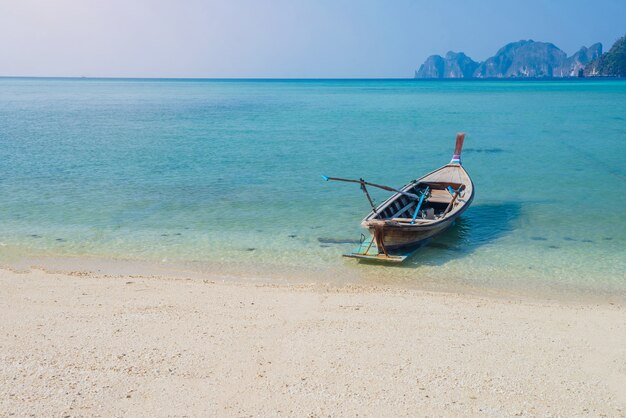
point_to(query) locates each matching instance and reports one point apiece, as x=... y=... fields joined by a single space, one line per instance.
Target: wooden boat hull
x=403 y=222
x=398 y=235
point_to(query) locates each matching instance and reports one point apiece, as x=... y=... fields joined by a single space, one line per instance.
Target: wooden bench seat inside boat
x=439 y=196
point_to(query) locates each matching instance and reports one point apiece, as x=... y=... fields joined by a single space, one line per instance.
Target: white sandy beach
x=83 y=344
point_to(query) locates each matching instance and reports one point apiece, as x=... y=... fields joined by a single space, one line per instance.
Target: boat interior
x=434 y=203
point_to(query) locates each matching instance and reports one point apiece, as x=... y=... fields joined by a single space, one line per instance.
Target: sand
x=87 y=344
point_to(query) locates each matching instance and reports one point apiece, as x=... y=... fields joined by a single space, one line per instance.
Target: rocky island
x=610 y=64
x=529 y=59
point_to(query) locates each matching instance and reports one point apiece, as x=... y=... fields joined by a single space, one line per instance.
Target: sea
x=224 y=177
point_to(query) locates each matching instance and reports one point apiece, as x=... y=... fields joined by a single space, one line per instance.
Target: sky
x=282 y=38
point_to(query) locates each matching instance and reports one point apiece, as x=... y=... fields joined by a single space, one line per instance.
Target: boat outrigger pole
x=363 y=183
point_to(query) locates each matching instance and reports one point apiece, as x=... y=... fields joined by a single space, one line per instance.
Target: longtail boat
x=416 y=212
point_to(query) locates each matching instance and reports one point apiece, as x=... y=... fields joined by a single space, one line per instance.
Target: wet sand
x=89 y=344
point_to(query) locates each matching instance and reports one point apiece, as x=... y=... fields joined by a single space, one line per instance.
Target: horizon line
x=113 y=78
x=201 y=78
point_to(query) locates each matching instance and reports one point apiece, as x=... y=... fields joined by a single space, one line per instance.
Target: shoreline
x=352 y=273
x=119 y=345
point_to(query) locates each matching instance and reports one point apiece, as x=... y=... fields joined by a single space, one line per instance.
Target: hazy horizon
x=280 y=39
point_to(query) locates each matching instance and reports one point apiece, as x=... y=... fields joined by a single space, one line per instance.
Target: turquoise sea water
x=225 y=175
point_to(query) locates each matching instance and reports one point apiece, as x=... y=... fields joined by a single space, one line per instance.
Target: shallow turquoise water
x=227 y=173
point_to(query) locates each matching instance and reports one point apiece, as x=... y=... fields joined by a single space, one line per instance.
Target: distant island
x=530 y=59
x=613 y=63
